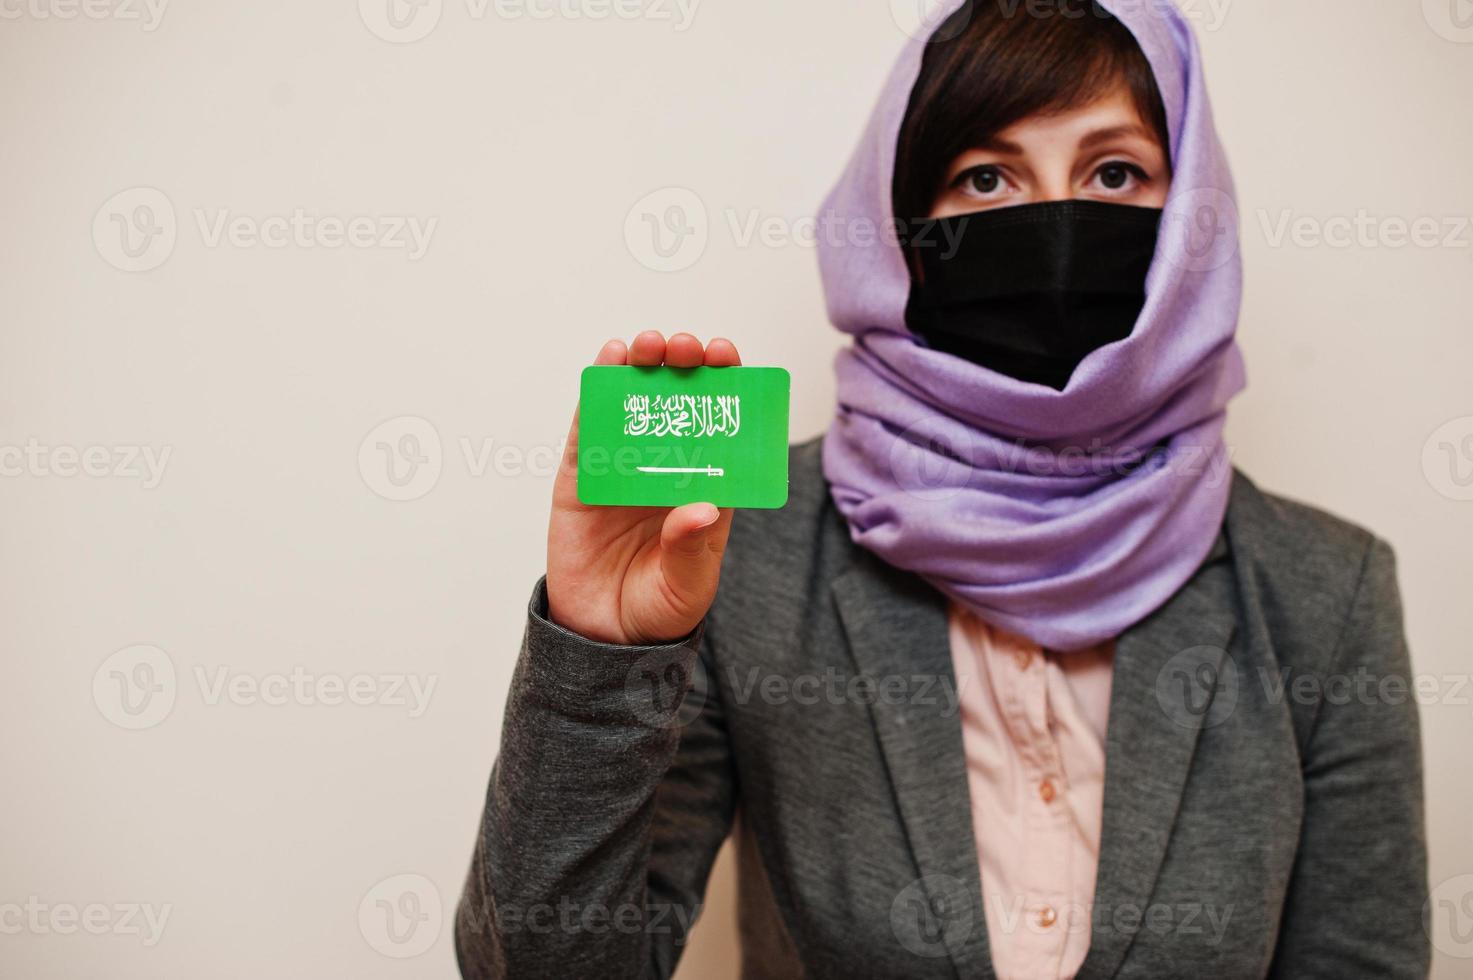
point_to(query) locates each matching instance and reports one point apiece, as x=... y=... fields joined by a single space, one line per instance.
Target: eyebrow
x=1094 y=138
x=1114 y=133
x=997 y=145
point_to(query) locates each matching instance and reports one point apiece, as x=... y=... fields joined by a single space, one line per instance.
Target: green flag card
x=661 y=436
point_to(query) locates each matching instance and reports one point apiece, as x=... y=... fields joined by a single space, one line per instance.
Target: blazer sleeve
x=1355 y=901
x=610 y=798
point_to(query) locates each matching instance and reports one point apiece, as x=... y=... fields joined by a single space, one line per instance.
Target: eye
x=1118 y=176
x=983 y=181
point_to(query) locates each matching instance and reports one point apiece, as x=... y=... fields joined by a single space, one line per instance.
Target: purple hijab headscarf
x=1064 y=516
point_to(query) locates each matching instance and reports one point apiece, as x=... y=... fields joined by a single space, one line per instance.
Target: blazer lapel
x=1165 y=677
x=896 y=626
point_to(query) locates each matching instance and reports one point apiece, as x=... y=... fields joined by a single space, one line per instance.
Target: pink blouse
x=1033 y=729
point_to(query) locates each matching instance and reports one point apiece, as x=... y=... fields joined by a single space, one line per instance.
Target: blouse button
x=1023 y=659
x=1047 y=916
x=1046 y=791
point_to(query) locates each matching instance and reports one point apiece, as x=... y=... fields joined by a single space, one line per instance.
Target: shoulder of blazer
x=1282 y=531
x=1301 y=565
x=1300 y=572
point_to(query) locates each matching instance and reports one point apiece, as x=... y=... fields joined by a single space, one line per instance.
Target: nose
x=1053 y=185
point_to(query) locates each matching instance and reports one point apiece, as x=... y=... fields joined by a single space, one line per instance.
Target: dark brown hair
x=995 y=62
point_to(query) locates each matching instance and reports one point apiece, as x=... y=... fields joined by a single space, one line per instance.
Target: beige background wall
x=258 y=818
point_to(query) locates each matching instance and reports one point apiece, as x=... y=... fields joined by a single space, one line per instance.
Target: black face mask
x=1028 y=291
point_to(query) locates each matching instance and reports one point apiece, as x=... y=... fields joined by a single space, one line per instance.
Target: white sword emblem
x=708 y=470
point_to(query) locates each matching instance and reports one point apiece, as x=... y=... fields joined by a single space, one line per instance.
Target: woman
x=1026 y=680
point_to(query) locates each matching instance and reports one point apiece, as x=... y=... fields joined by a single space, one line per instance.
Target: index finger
x=721 y=352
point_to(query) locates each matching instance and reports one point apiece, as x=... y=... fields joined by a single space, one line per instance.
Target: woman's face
x=1103 y=151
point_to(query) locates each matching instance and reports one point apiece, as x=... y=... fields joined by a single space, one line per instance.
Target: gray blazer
x=1263 y=790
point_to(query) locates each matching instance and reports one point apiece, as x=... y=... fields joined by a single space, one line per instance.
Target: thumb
x=691 y=542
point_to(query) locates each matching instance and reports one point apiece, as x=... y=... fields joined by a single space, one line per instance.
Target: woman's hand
x=635 y=575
